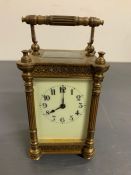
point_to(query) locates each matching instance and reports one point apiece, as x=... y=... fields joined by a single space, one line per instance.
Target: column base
x=35 y=154
x=88 y=153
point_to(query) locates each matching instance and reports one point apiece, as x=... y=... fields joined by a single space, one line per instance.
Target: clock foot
x=35 y=154
x=88 y=153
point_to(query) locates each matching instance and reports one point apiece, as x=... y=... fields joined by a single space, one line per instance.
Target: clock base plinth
x=35 y=154
x=88 y=153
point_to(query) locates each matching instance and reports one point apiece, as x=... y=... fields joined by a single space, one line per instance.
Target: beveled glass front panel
x=62 y=108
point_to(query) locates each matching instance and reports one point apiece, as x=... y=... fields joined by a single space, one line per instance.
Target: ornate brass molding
x=52 y=70
x=64 y=148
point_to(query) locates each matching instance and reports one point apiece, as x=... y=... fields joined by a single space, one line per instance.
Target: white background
x=114 y=37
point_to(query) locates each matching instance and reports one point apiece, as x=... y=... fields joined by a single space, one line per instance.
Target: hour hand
x=53 y=110
x=62 y=106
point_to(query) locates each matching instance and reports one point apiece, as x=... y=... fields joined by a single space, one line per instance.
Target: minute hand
x=63 y=99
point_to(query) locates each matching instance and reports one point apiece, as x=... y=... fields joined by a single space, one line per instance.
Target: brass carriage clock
x=62 y=91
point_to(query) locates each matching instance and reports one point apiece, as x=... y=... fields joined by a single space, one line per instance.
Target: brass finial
x=100 y=60
x=35 y=48
x=90 y=50
x=25 y=58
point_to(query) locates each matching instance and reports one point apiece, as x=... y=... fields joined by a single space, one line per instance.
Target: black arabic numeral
x=46 y=97
x=77 y=112
x=62 y=89
x=62 y=120
x=53 y=118
x=44 y=105
x=78 y=97
x=47 y=112
x=71 y=91
x=52 y=91
x=71 y=117
x=80 y=105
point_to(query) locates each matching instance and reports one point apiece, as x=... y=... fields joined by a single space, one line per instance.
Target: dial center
x=62 y=106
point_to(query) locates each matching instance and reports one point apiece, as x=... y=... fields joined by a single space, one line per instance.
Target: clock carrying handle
x=62 y=21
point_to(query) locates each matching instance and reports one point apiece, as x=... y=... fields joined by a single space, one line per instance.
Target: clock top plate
x=71 y=57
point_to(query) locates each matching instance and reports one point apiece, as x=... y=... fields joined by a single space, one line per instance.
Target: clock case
x=76 y=64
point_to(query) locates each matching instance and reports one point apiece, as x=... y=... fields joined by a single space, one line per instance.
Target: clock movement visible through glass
x=62 y=108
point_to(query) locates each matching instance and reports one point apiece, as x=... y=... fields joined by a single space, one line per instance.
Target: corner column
x=99 y=68
x=27 y=67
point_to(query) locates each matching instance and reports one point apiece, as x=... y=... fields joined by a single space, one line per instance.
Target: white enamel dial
x=62 y=104
x=62 y=107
